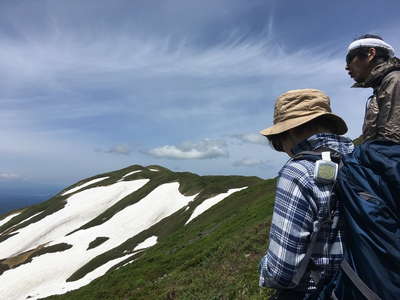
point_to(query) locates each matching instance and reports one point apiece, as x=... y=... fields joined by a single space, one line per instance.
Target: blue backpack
x=368 y=192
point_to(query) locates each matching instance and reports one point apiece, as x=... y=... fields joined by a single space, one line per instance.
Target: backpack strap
x=317 y=154
x=319 y=223
x=308 y=155
x=313 y=156
x=357 y=281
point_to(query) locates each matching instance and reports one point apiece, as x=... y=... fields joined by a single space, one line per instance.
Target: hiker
x=371 y=63
x=303 y=122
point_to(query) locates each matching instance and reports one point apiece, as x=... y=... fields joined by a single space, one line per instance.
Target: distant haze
x=19 y=196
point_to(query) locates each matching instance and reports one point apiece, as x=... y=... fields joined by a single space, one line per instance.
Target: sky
x=93 y=86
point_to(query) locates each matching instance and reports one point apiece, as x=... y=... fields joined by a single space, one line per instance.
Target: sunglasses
x=350 y=56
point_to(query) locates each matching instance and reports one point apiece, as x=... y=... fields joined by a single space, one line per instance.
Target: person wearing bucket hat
x=370 y=61
x=303 y=121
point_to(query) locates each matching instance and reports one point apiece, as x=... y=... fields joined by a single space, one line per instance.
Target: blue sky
x=93 y=86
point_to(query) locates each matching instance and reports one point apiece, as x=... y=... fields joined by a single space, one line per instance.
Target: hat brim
x=341 y=127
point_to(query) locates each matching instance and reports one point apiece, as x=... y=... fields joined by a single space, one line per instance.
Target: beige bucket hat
x=297 y=107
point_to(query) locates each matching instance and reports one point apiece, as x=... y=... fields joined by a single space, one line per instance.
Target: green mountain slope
x=215 y=256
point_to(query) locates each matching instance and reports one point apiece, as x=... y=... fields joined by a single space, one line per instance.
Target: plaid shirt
x=299 y=202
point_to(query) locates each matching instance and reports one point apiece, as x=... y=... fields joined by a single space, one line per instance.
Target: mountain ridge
x=194 y=188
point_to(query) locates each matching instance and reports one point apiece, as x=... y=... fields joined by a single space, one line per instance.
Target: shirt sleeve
x=292 y=224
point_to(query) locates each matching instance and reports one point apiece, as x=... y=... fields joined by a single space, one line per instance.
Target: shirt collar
x=335 y=142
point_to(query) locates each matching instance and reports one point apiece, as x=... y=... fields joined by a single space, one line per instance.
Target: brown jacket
x=382 y=115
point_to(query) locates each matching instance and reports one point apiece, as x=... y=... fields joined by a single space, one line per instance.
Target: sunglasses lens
x=349 y=58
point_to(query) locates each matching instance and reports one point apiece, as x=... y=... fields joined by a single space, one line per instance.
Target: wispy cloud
x=205 y=149
x=78 y=79
x=9 y=176
x=119 y=149
x=249 y=162
x=252 y=138
x=151 y=85
x=87 y=83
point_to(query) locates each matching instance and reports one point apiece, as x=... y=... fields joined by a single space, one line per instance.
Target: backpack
x=368 y=191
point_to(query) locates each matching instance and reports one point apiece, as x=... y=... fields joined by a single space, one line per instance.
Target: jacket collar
x=378 y=73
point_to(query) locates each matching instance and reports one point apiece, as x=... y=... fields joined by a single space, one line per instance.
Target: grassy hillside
x=215 y=256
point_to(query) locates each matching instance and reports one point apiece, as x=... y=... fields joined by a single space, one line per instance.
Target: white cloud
x=248 y=162
x=205 y=149
x=252 y=138
x=8 y=176
x=119 y=149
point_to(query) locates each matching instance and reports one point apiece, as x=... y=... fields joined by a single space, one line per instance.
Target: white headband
x=370 y=42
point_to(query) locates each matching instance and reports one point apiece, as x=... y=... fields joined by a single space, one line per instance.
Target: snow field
x=130 y=173
x=8 y=218
x=84 y=185
x=89 y=277
x=79 y=209
x=27 y=219
x=33 y=280
x=149 y=242
x=19 y=283
x=208 y=203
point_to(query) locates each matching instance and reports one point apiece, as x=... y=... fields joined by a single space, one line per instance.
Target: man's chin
x=358 y=80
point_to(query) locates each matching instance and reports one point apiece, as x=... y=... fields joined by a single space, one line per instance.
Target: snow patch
x=149 y=242
x=154 y=170
x=129 y=262
x=130 y=173
x=29 y=218
x=208 y=203
x=84 y=185
x=89 y=277
x=8 y=218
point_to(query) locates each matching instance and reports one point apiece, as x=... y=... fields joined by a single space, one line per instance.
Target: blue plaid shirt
x=300 y=201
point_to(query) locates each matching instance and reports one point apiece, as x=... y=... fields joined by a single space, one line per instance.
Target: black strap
x=307 y=257
x=315 y=155
x=288 y=295
x=357 y=281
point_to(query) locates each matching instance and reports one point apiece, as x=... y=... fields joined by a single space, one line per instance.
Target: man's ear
x=371 y=54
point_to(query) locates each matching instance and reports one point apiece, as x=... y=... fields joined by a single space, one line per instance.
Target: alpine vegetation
x=107 y=225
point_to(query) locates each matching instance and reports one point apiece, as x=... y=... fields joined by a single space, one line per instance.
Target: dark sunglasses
x=350 y=56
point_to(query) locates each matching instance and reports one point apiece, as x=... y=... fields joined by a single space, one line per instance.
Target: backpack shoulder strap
x=308 y=155
x=317 y=154
x=318 y=224
x=357 y=281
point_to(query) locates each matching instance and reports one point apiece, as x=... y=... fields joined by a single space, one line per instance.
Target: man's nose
x=346 y=67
